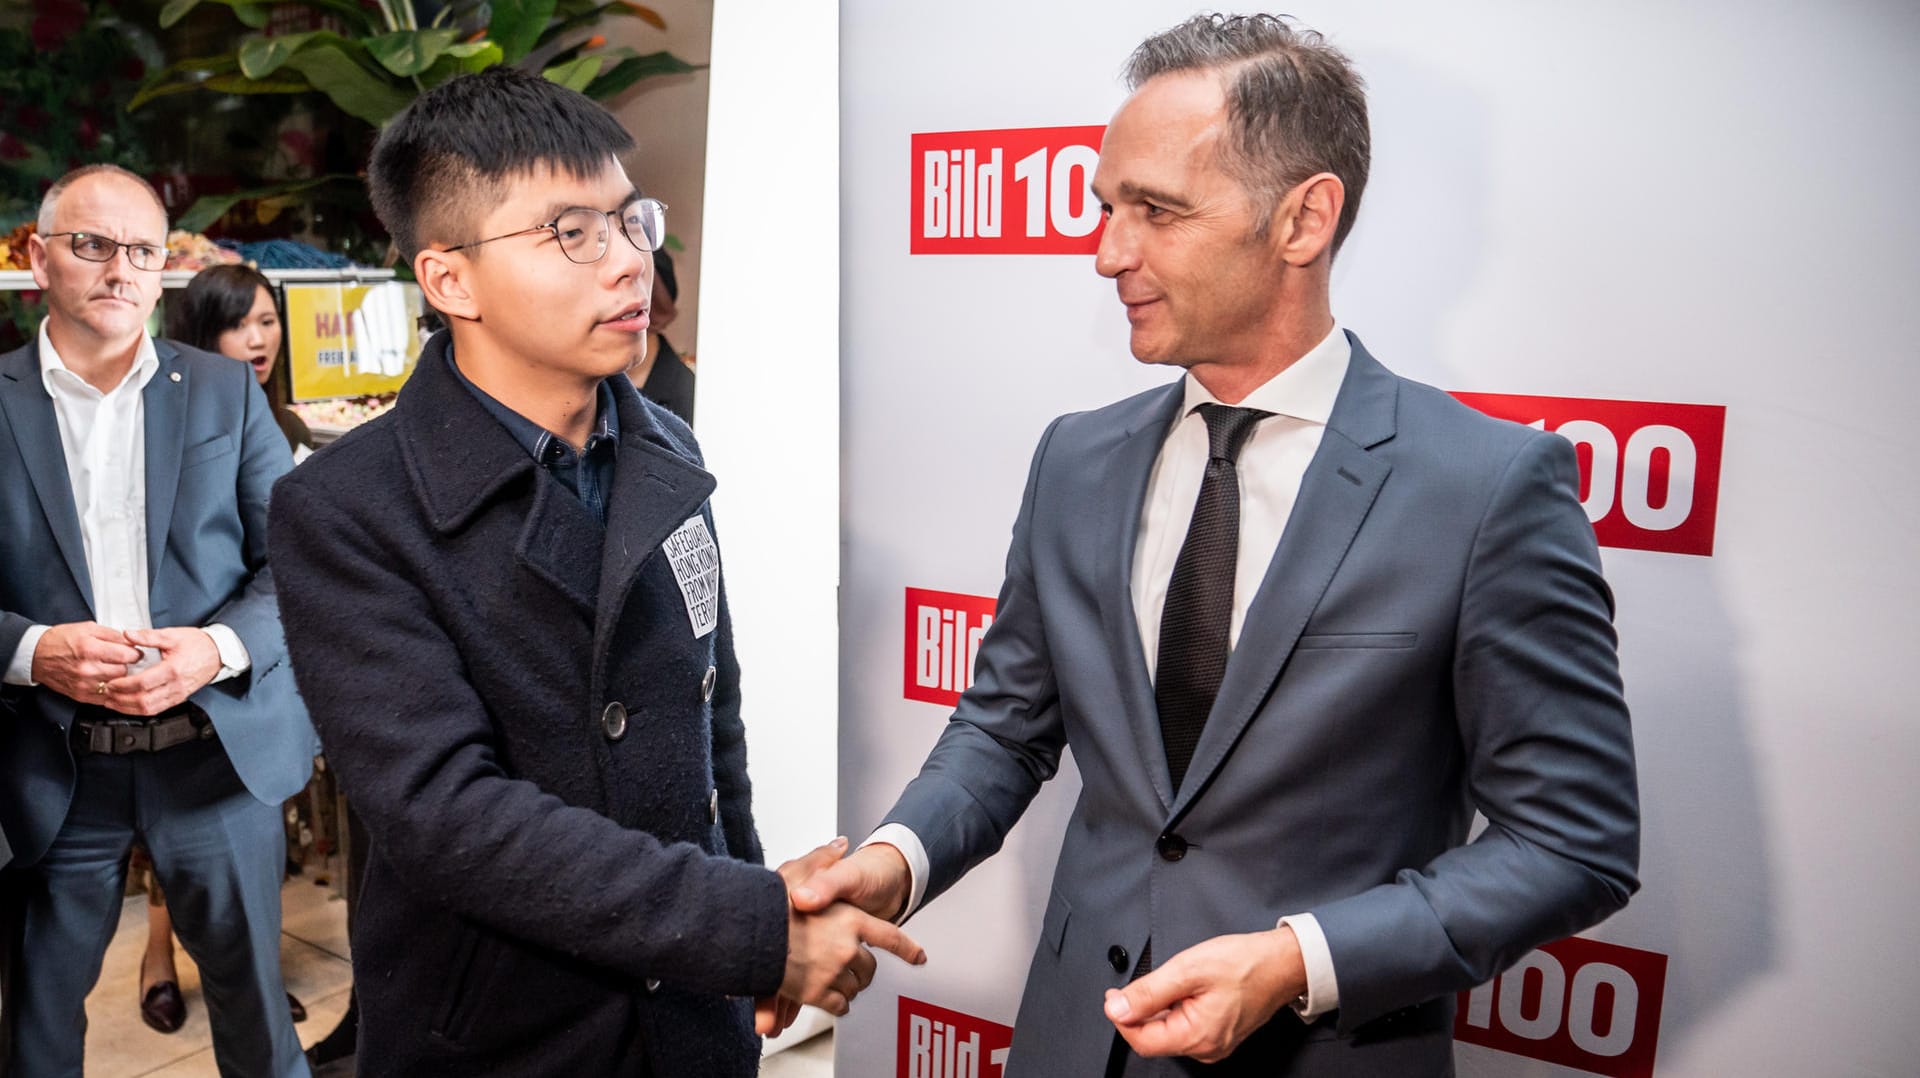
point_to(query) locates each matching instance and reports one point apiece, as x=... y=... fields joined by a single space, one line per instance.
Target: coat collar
x=461 y=460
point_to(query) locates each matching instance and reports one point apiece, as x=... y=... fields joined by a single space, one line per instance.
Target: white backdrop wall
x=1706 y=204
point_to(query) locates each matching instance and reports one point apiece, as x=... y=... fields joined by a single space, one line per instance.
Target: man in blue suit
x=147 y=695
x=1297 y=618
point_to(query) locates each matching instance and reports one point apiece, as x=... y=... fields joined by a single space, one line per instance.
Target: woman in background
x=660 y=374
x=232 y=310
x=229 y=310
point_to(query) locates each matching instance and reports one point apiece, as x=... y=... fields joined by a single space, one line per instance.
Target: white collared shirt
x=1271 y=466
x=103 y=437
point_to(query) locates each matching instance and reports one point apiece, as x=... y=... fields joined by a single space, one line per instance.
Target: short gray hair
x=51 y=200
x=1295 y=105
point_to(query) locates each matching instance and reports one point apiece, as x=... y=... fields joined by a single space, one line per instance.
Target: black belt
x=122 y=735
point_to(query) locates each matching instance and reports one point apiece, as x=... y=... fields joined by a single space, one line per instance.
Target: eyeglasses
x=92 y=248
x=582 y=233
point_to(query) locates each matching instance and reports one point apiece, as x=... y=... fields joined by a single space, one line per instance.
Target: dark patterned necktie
x=1195 y=623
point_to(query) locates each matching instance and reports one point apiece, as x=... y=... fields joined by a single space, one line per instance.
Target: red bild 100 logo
x=1016 y=192
x=1580 y=1003
x=935 y=1042
x=943 y=638
x=1649 y=473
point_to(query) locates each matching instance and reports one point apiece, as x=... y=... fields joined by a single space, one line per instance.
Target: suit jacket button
x=706 y=684
x=613 y=721
x=1171 y=847
x=1117 y=958
x=653 y=985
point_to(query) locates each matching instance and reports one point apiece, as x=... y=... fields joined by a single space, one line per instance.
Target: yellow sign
x=351 y=340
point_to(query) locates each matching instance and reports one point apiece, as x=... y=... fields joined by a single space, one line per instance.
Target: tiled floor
x=313 y=956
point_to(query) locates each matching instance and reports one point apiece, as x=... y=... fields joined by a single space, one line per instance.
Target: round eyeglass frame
x=609 y=218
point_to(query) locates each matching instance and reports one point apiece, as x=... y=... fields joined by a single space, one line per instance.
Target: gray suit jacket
x=1432 y=636
x=213 y=452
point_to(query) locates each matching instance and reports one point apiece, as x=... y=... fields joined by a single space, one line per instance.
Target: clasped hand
x=834 y=917
x=89 y=662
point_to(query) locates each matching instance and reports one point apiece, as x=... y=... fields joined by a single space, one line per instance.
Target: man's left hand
x=189 y=661
x=1208 y=998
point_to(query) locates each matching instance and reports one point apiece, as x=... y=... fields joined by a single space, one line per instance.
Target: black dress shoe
x=163 y=1007
x=299 y=1009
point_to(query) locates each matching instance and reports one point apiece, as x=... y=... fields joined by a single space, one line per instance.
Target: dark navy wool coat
x=565 y=879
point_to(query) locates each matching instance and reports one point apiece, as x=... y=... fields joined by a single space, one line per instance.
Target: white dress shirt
x=103 y=436
x=1272 y=463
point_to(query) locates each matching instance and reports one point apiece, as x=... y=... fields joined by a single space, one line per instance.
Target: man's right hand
x=874 y=878
x=79 y=658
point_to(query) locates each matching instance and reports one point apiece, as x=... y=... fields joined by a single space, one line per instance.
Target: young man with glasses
x=146 y=692
x=506 y=610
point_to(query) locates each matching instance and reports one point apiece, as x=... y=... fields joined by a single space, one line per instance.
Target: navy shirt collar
x=539 y=442
x=588 y=473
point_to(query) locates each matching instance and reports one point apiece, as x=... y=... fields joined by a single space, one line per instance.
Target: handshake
x=838 y=906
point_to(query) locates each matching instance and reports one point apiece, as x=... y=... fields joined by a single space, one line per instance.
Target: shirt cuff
x=902 y=838
x=1323 y=992
x=234 y=659
x=20 y=667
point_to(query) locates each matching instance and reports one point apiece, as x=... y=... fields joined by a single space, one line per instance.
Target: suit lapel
x=1123 y=492
x=36 y=431
x=1336 y=494
x=164 y=400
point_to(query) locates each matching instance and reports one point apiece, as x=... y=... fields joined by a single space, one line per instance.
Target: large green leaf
x=262 y=56
x=409 y=52
x=349 y=83
x=182 y=76
x=462 y=60
x=249 y=12
x=467 y=50
x=210 y=208
x=575 y=74
x=517 y=25
x=240 y=84
x=627 y=72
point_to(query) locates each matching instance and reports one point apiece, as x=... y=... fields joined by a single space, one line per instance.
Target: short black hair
x=447 y=157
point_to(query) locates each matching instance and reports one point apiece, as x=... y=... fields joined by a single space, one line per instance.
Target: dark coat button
x=706 y=684
x=1171 y=847
x=653 y=985
x=1117 y=958
x=613 y=721
x=713 y=806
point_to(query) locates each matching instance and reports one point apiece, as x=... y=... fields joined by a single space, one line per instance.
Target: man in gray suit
x=1297 y=617
x=146 y=695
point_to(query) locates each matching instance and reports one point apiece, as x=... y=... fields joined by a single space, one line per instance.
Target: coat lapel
x=1123 y=492
x=1336 y=494
x=36 y=431
x=461 y=459
x=654 y=492
x=164 y=401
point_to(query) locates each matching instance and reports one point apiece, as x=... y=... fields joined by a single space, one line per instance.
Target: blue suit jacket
x=213 y=453
x=1432 y=636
